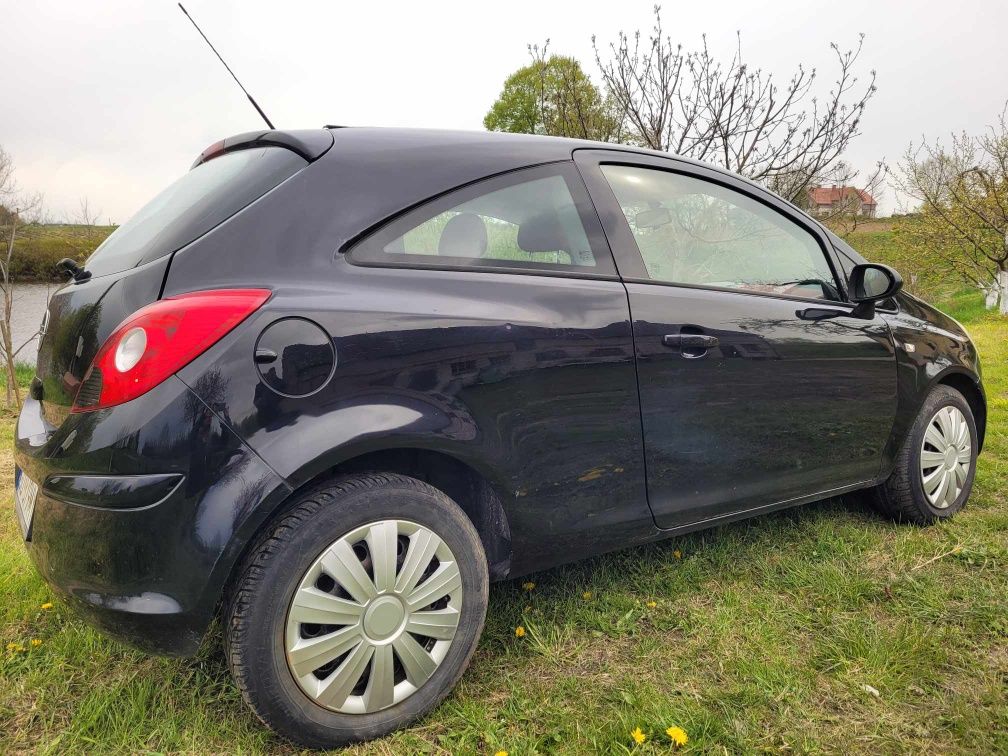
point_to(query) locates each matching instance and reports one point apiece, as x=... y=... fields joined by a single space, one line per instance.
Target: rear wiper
x=71 y=268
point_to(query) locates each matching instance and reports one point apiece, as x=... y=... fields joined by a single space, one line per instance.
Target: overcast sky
x=113 y=100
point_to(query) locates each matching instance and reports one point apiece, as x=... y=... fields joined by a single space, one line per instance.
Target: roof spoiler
x=310 y=144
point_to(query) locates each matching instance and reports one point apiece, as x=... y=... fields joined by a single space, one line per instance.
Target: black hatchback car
x=331 y=383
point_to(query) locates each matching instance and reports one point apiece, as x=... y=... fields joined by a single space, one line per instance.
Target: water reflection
x=30 y=302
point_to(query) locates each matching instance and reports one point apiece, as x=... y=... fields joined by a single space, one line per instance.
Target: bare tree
x=570 y=102
x=734 y=115
x=17 y=212
x=962 y=223
x=86 y=217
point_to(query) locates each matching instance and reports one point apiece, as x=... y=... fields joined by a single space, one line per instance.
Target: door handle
x=690 y=340
x=818 y=313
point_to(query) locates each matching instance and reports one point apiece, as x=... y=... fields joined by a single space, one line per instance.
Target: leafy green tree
x=553 y=95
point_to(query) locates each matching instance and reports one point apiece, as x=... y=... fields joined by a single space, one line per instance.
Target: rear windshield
x=201 y=199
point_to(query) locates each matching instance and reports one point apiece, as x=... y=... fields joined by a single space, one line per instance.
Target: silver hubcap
x=946 y=457
x=373 y=617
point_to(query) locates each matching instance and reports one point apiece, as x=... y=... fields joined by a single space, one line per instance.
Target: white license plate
x=27 y=492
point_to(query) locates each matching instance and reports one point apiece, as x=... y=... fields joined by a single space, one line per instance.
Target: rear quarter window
x=203 y=198
x=535 y=219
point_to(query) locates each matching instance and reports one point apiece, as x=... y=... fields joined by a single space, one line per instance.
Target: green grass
x=968 y=307
x=23 y=372
x=873 y=239
x=765 y=635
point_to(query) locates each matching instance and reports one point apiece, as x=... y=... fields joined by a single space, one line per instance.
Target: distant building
x=830 y=200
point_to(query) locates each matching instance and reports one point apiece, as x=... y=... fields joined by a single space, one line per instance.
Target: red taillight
x=159 y=340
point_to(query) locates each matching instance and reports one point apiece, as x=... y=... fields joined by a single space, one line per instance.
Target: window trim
x=621 y=238
x=430 y=207
x=841 y=304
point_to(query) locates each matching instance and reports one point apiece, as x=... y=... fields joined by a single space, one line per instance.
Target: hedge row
x=37 y=249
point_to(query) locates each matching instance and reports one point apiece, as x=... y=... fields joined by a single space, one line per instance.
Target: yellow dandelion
x=12 y=646
x=677 y=735
x=638 y=735
x=652 y=604
x=520 y=631
x=501 y=753
x=47 y=605
x=36 y=642
x=677 y=554
x=528 y=586
x=586 y=595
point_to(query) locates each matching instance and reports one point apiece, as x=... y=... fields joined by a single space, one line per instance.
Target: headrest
x=465 y=235
x=542 y=233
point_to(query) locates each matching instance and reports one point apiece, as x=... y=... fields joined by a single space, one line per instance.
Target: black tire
x=257 y=611
x=902 y=496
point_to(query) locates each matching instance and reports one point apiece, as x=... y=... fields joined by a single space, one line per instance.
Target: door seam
x=640 y=407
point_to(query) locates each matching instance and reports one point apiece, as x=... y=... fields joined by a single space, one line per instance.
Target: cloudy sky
x=112 y=100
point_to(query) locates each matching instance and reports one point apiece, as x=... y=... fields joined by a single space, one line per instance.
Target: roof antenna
x=254 y=103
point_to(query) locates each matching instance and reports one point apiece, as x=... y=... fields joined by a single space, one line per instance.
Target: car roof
x=524 y=148
x=498 y=151
x=372 y=173
x=502 y=150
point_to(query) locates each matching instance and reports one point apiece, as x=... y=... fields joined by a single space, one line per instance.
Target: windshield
x=203 y=198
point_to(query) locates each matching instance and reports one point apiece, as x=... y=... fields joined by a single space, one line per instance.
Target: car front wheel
x=934 y=471
x=359 y=612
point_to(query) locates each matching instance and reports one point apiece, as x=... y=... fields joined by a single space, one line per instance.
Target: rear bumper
x=123 y=572
x=151 y=621
x=143 y=510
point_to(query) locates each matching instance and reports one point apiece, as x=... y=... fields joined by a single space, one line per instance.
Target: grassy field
x=824 y=628
x=873 y=239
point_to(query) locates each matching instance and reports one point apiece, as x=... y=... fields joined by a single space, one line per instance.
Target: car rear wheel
x=359 y=612
x=934 y=471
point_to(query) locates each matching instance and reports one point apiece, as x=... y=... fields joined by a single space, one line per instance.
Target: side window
x=537 y=218
x=691 y=231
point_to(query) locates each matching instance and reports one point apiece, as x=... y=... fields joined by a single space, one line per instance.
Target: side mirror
x=871 y=283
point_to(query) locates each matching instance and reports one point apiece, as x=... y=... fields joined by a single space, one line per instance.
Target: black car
x=331 y=383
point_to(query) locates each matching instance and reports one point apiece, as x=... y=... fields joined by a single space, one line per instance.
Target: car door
x=758 y=385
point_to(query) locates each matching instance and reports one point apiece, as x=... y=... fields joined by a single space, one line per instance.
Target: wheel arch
x=466 y=486
x=458 y=480
x=969 y=387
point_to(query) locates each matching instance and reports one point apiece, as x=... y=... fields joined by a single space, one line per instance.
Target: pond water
x=30 y=302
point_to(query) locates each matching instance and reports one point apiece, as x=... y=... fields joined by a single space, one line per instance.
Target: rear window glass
x=204 y=197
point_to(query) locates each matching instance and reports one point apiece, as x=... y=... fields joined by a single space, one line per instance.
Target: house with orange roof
x=847 y=200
